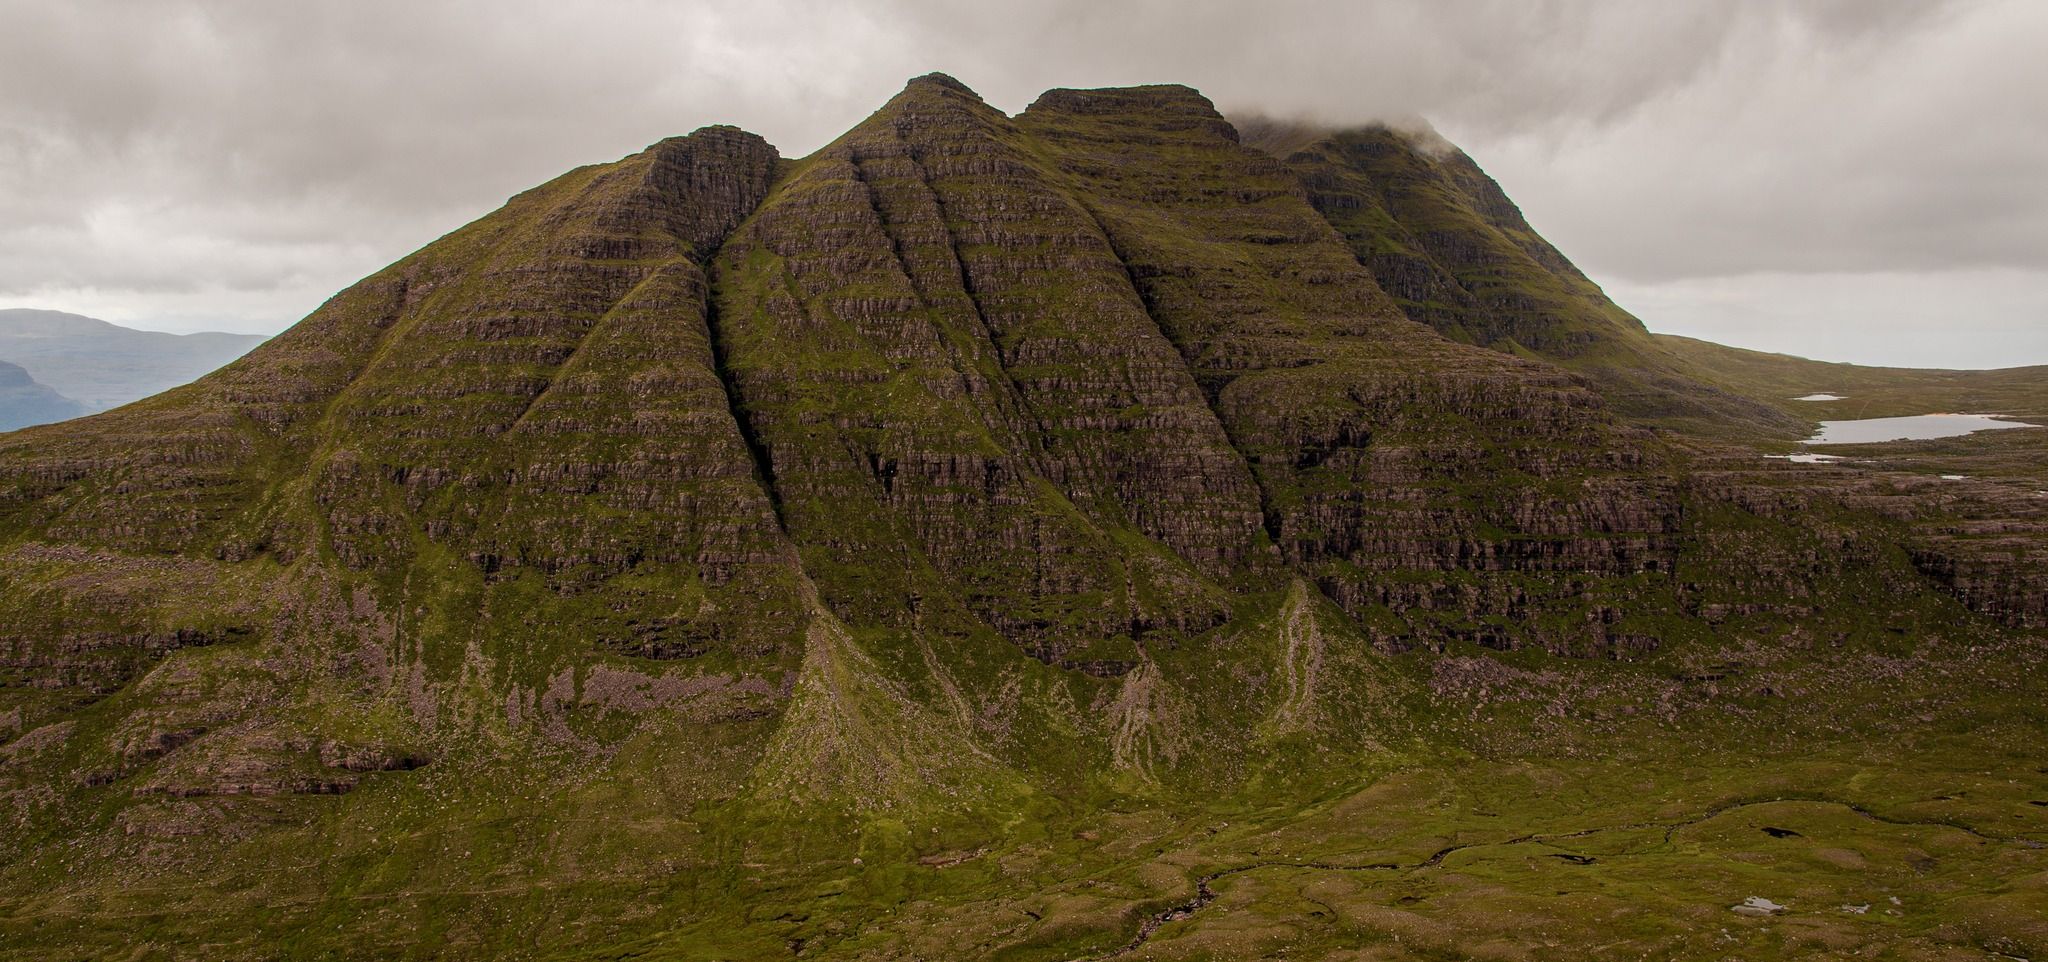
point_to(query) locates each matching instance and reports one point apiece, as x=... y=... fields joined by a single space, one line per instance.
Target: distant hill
x=25 y=401
x=102 y=365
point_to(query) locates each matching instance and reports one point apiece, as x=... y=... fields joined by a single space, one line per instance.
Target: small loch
x=1921 y=427
x=1807 y=458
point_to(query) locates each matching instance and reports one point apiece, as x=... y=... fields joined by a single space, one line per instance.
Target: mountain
x=103 y=365
x=1445 y=241
x=25 y=401
x=1037 y=537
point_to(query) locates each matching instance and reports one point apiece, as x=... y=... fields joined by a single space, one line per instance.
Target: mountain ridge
x=975 y=538
x=1458 y=255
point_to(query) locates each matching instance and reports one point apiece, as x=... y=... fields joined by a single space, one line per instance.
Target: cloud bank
x=229 y=164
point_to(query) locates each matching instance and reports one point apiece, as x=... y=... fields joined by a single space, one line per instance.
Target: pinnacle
x=940 y=81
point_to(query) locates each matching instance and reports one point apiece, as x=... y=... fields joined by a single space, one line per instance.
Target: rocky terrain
x=1100 y=531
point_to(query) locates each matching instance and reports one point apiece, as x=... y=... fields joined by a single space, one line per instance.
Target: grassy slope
x=1895 y=788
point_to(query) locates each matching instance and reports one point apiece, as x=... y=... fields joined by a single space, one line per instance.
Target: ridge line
x=555 y=376
x=1267 y=516
x=1033 y=447
x=735 y=406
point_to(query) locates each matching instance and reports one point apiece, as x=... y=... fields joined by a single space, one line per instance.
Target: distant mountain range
x=25 y=400
x=72 y=365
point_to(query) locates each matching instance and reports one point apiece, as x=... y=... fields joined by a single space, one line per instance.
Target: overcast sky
x=1849 y=179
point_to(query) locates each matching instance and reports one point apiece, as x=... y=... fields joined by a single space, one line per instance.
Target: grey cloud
x=255 y=155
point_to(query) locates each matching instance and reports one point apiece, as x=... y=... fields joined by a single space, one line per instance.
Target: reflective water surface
x=1921 y=427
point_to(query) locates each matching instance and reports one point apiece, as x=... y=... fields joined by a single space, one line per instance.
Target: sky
x=1861 y=180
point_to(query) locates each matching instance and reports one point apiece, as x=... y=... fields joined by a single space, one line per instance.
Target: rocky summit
x=1105 y=531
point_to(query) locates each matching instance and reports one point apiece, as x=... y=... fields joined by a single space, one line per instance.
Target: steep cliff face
x=1383 y=451
x=962 y=401
x=970 y=473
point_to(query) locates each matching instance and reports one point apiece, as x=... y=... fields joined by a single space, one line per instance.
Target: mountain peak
x=1174 y=109
x=1277 y=137
x=940 y=81
x=931 y=106
x=1284 y=137
x=721 y=133
x=936 y=90
x=1176 y=98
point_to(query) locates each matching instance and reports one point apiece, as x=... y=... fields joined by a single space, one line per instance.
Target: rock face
x=1382 y=451
x=971 y=455
x=960 y=396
